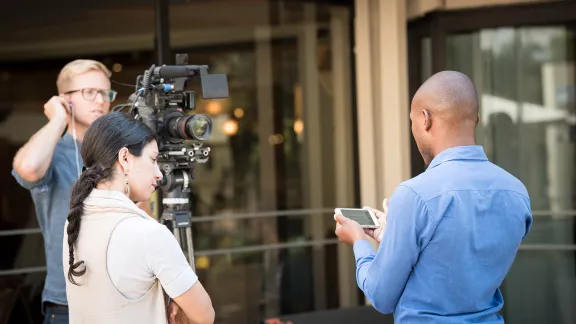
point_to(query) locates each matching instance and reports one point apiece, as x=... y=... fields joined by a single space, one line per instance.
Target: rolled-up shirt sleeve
x=40 y=186
x=382 y=276
x=167 y=262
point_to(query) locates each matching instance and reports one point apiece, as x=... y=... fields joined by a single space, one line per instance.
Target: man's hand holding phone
x=356 y=224
x=376 y=233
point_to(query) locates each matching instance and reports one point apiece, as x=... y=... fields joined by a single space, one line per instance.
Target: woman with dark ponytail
x=119 y=261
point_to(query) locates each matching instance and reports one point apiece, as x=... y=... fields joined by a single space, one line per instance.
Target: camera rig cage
x=162 y=102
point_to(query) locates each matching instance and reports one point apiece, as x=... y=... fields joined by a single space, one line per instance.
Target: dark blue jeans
x=55 y=315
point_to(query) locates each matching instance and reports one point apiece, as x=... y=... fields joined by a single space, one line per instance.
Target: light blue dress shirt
x=452 y=234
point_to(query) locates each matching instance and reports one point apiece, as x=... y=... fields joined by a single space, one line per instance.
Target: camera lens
x=197 y=127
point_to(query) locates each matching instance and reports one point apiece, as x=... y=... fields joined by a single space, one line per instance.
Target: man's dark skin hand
x=349 y=231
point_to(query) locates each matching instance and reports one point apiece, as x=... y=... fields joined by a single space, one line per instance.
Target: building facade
x=317 y=118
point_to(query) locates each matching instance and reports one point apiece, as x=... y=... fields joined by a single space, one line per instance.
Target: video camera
x=162 y=102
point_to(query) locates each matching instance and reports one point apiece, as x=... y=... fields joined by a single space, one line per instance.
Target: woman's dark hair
x=102 y=142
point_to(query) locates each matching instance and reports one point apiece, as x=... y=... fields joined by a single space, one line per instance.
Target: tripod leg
x=190 y=248
x=176 y=232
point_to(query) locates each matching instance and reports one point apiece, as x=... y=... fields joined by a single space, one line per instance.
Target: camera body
x=162 y=102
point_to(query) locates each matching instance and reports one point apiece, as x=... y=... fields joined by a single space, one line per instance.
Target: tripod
x=176 y=216
x=163 y=104
x=177 y=164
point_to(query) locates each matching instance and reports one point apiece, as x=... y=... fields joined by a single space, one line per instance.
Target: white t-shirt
x=140 y=251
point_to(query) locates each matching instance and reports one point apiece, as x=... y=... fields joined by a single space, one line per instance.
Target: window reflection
x=260 y=145
x=526 y=84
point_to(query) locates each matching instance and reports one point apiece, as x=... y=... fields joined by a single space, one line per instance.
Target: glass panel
x=20 y=298
x=540 y=288
x=287 y=109
x=547 y=229
x=270 y=137
x=526 y=85
x=247 y=274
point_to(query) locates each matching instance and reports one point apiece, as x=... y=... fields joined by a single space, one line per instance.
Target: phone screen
x=361 y=216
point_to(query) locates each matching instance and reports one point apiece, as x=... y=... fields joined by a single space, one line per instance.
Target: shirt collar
x=468 y=152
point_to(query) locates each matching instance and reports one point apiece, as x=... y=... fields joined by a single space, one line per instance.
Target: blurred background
x=317 y=118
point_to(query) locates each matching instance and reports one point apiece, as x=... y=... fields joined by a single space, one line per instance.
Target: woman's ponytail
x=80 y=191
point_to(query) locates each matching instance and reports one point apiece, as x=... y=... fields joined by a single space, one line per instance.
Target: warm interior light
x=230 y=127
x=202 y=262
x=117 y=67
x=213 y=107
x=239 y=113
x=298 y=126
x=275 y=139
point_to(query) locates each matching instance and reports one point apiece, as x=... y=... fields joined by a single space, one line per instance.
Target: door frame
x=437 y=25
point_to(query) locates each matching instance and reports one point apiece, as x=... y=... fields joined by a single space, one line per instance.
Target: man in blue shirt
x=450 y=235
x=49 y=164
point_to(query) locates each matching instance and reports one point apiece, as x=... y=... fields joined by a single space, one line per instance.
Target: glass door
x=523 y=66
x=526 y=84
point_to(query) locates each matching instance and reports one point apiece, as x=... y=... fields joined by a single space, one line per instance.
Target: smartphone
x=364 y=217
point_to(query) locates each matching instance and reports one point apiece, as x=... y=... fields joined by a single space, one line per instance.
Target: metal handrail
x=23 y=231
x=266 y=247
x=203 y=219
x=18 y=271
x=279 y=246
x=547 y=247
x=242 y=249
x=271 y=214
x=571 y=213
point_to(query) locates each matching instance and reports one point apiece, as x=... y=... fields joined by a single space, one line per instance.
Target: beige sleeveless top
x=97 y=300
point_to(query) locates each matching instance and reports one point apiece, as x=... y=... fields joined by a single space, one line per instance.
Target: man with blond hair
x=50 y=163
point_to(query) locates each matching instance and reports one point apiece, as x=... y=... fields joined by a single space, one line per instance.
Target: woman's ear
x=123 y=159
